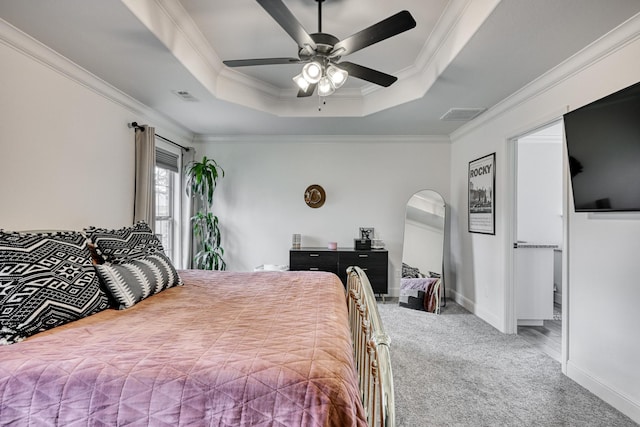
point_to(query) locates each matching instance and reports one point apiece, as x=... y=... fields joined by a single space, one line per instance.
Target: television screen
x=603 y=143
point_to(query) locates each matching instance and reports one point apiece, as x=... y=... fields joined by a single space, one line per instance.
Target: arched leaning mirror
x=423 y=251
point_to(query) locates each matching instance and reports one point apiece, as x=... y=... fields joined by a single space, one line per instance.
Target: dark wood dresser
x=375 y=263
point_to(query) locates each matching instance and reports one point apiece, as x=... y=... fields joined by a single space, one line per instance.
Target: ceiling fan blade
x=393 y=25
x=288 y=22
x=308 y=92
x=263 y=61
x=368 y=74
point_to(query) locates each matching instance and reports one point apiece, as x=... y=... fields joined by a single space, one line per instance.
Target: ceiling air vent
x=185 y=95
x=462 y=114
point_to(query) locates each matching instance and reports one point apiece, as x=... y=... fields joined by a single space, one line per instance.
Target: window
x=167 y=183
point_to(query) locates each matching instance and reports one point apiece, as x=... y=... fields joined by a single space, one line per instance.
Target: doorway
x=538 y=237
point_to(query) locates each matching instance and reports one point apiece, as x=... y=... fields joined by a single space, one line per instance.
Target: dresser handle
x=363 y=256
x=314 y=254
x=314 y=269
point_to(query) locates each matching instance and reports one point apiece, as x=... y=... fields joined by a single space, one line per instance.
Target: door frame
x=511 y=170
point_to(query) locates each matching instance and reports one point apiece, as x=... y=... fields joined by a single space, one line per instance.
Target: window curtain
x=144 y=198
x=188 y=208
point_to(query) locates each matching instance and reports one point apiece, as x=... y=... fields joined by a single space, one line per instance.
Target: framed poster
x=482 y=204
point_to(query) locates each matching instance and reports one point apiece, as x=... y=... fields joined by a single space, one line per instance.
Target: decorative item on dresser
x=374 y=262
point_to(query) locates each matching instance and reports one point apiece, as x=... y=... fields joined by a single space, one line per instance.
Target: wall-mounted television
x=603 y=143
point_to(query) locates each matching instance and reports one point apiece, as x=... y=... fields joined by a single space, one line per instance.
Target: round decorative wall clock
x=314 y=196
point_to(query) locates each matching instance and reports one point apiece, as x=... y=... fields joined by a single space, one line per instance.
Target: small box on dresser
x=362 y=244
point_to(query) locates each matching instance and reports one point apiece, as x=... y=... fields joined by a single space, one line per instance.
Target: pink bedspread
x=225 y=349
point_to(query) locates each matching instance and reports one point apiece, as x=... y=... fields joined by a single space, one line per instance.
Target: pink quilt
x=225 y=349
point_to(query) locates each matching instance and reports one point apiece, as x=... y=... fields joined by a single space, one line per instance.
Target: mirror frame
x=439 y=199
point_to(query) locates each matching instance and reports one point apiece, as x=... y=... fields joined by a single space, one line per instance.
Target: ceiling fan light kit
x=302 y=83
x=312 y=72
x=320 y=52
x=338 y=76
x=325 y=87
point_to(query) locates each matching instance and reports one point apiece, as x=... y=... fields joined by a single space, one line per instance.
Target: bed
x=224 y=349
x=98 y=328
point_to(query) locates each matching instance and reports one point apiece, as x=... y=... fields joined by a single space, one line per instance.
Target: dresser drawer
x=313 y=261
x=374 y=264
x=364 y=259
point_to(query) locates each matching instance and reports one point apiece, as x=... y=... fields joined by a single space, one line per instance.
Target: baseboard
x=460 y=299
x=488 y=317
x=620 y=401
x=530 y=322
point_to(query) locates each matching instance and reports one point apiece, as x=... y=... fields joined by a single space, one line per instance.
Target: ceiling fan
x=320 y=52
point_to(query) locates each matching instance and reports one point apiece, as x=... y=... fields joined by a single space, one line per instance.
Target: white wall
x=368 y=182
x=66 y=153
x=603 y=318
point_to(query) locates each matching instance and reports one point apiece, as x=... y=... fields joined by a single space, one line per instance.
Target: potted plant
x=202 y=178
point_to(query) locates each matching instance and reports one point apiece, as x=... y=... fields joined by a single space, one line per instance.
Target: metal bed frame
x=371 y=349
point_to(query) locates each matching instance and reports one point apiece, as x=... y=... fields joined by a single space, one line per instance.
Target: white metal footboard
x=371 y=349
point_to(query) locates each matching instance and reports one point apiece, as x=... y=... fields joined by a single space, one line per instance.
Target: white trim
x=474 y=308
x=565 y=283
x=192 y=34
x=618 y=38
x=172 y=25
x=27 y=45
x=177 y=200
x=461 y=299
x=297 y=139
x=510 y=218
x=510 y=297
x=615 y=398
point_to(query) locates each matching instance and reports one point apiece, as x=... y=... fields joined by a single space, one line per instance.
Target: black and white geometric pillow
x=125 y=244
x=132 y=281
x=46 y=280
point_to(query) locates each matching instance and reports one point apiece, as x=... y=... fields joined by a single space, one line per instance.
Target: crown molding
x=625 y=34
x=37 y=51
x=172 y=25
x=324 y=139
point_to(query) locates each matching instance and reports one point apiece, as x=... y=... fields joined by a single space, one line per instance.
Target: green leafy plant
x=202 y=179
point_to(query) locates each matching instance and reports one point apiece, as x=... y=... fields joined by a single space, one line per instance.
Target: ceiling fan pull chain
x=321 y=101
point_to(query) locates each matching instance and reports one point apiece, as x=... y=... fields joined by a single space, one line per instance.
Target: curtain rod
x=136 y=126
